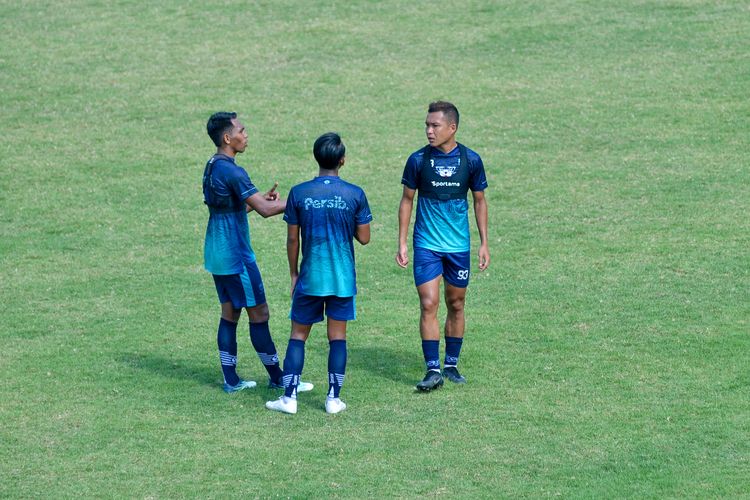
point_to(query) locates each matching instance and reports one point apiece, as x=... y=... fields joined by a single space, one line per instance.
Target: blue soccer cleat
x=242 y=384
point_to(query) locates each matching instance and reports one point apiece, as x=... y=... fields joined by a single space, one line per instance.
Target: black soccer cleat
x=432 y=380
x=451 y=373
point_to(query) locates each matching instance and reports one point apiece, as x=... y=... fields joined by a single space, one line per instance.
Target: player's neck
x=226 y=151
x=322 y=172
x=448 y=145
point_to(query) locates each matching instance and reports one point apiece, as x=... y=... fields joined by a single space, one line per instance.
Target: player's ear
x=342 y=161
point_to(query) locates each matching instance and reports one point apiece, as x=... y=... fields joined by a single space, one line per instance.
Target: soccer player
x=228 y=256
x=443 y=172
x=329 y=213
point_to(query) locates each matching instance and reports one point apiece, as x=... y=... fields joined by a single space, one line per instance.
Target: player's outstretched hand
x=402 y=256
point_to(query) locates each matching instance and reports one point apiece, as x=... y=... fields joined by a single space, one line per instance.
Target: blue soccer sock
x=336 y=367
x=431 y=351
x=294 y=361
x=260 y=336
x=452 y=350
x=226 y=339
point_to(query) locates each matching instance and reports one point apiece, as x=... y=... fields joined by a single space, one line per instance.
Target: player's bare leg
x=455 y=300
x=429 y=330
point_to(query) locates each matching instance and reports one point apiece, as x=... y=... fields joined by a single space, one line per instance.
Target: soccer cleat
x=451 y=373
x=242 y=384
x=283 y=404
x=301 y=387
x=334 y=405
x=432 y=380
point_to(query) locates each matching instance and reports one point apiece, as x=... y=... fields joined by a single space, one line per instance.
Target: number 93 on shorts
x=454 y=267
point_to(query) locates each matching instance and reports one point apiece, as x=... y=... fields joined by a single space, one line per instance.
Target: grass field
x=608 y=345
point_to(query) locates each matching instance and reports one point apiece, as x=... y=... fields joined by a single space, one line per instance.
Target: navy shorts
x=308 y=309
x=454 y=267
x=242 y=290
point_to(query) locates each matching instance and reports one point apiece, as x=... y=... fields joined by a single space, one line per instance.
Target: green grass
x=607 y=346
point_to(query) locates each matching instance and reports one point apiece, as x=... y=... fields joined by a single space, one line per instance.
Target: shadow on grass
x=387 y=363
x=187 y=370
x=171 y=367
x=396 y=365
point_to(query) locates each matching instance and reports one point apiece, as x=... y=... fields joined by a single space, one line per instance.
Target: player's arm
x=270 y=195
x=404 y=218
x=292 y=252
x=362 y=233
x=480 y=212
x=266 y=204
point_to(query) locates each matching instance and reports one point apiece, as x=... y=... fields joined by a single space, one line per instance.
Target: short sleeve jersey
x=328 y=210
x=226 y=186
x=443 y=225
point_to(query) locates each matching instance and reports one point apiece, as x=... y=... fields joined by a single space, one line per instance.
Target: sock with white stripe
x=336 y=367
x=431 y=352
x=260 y=336
x=294 y=361
x=452 y=350
x=226 y=339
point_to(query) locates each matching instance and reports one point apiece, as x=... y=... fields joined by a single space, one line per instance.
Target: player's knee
x=258 y=314
x=429 y=305
x=455 y=305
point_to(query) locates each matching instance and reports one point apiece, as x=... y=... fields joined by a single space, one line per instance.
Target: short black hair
x=449 y=110
x=329 y=150
x=218 y=125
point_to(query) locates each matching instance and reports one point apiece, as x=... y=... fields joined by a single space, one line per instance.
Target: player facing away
x=442 y=172
x=328 y=213
x=228 y=256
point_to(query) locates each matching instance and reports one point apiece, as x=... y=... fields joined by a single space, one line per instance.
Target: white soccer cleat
x=335 y=405
x=304 y=386
x=301 y=387
x=283 y=404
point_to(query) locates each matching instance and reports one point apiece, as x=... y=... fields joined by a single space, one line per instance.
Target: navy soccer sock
x=294 y=361
x=431 y=351
x=226 y=339
x=260 y=336
x=452 y=350
x=336 y=367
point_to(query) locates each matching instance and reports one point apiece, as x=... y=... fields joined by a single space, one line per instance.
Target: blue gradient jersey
x=328 y=211
x=226 y=186
x=443 y=225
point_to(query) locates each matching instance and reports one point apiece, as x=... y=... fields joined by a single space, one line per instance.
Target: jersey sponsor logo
x=335 y=202
x=445 y=184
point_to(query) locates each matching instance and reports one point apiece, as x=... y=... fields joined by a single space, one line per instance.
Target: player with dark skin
x=267 y=205
x=230 y=194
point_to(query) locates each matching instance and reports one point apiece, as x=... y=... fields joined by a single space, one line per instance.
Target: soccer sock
x=260 y=336
x=294 y=361
x=226 y=339
x=336 y=367
x=452 y=350
x=431 y=351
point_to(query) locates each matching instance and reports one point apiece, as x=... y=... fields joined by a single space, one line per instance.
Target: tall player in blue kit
x=442 y=172
x=328 y=213
x=228 y=256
